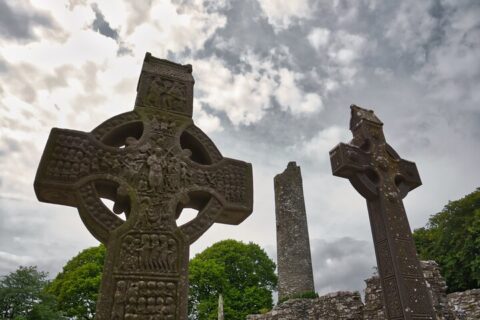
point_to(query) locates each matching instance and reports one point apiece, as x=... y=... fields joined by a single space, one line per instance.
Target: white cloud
x=319 y=38
x=340 y=55
x=319 y=146
x=204 y=120
x=245 y=96
x=292 y=98
x=346 y=48
x=282 y=14
x=166 y=28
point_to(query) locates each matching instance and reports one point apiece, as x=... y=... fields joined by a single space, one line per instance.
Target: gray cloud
x=101 y=25
x=341 y=264
x=3 y=65
x=31 y=239
x=9 y=146
x=17 y=22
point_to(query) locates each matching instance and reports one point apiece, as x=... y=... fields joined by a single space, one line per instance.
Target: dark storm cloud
x=17 y=23
x=101 y=25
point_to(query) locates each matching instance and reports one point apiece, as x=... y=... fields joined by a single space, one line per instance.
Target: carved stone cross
x=378 y=173
x=152 y=162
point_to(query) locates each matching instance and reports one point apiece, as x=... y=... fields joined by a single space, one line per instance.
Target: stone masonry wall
x=348 y=305
x=465 y=305
x=333 y=306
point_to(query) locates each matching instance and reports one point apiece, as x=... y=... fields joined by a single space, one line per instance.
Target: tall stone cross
x=152 y=162
x=378 y=173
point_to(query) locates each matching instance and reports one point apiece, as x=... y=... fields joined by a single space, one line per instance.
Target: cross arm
x=237 y=191
x=231 y=182
x=347 y=160
x=230 y=185
x=407 y=177
x=64 y=177
x=351 y=162
x=60 y=167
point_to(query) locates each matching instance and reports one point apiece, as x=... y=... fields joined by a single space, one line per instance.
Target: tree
x=242 y=273
x=76 y=287
x=22 y=296
x=452 y=238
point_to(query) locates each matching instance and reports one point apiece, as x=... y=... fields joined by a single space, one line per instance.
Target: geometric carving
x=151 y=162
x=378 y=173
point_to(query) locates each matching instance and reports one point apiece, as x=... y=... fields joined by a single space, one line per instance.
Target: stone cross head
x=152 y=162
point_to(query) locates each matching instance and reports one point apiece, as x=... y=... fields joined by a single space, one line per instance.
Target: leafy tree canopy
x=22 y=296
x=452 y=238
x=242 y=273
x=76 y=287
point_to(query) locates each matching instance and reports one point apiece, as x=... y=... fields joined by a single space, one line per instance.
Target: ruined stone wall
x=465 y=305
x=373 y=309
x=333 y=306
x=435 y=284
x=348 y=305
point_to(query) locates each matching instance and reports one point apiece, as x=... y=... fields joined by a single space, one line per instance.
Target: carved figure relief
x=148 y=252
x=151 y=162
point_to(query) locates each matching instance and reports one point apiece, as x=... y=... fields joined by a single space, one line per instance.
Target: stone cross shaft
x=152 y=162
x=378 y=173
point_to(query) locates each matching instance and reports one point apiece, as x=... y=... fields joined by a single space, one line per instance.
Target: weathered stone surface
x=152 y=162
x=437 y=288
x=374 y=308
x=332 y=306
x=294 y=262
x=465 y=305
x=379 y=174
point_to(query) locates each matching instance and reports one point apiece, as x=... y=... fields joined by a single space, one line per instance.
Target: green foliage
x=452 y=238
x=76 y=287
x=242 y=273
x=22 y=296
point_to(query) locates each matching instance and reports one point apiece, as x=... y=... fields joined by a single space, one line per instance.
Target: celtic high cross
x=378 y=173
x=152 y=162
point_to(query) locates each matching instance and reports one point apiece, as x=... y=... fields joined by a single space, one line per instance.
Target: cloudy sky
x=274 y=81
